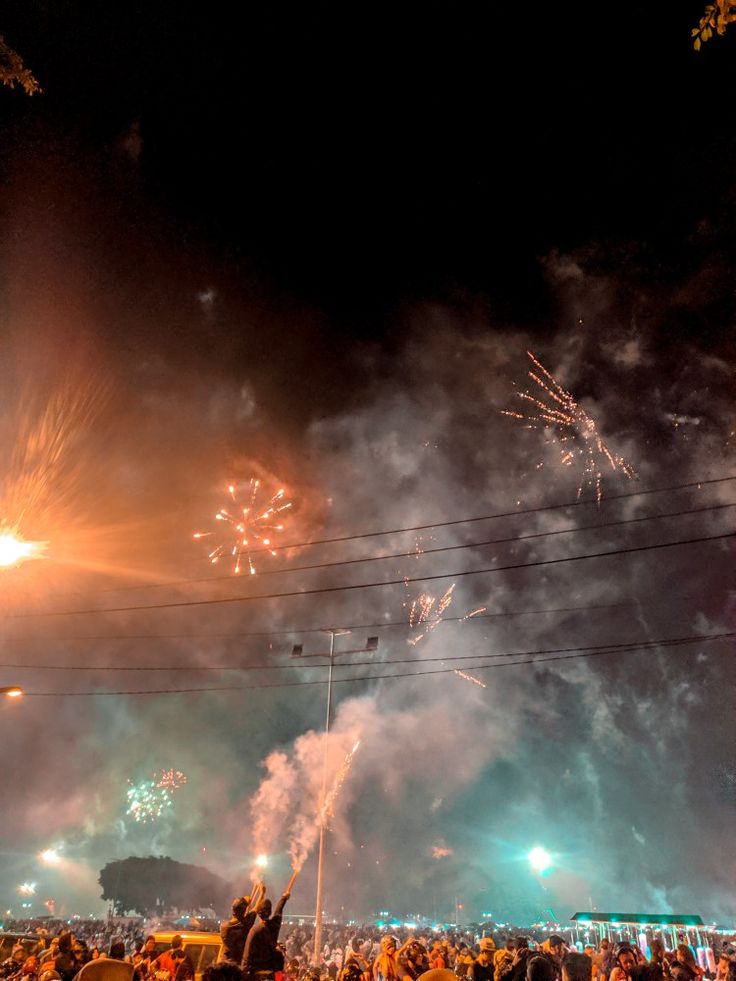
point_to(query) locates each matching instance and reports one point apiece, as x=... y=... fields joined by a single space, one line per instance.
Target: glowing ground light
x=540 y=860
x=14 y=549
x=11 y=691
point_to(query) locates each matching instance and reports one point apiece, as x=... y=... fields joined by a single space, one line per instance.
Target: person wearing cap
x=14 y=963
x=482 y=968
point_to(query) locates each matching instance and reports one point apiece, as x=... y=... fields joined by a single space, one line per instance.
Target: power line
x=290 y=631
x=371 y=585
x=415 y=553
x=194 y=669
x=583 y=653
x=500 y=514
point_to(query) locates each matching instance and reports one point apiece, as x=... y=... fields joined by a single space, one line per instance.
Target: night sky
x=313 y=244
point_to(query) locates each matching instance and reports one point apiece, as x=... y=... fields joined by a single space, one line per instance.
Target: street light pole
x=321 y=857
x=370 y=647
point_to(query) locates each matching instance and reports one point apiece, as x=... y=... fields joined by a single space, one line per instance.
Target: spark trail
x=576 y=432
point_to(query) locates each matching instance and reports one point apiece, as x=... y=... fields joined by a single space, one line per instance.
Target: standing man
x=260 y=957
x=235 y=932
x=482 y=968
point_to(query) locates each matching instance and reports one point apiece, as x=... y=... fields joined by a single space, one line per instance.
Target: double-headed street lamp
x=370 y=647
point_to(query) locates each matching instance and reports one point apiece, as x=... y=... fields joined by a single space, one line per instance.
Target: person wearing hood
x=260 y=961
x=387 y=966
x=14 y=964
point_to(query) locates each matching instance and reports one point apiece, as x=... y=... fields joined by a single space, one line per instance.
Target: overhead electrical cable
x=290 y=631
x=445 y=658
x=585 y=653
x=413 y=553
x=322 y=590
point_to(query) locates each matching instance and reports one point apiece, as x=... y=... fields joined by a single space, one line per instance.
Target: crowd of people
x=255 y=948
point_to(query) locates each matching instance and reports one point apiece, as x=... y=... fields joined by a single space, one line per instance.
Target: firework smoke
x=306 y=827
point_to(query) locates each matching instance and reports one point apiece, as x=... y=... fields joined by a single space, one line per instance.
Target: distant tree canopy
x=13 y=72
x=153 y=886
x=716 y=17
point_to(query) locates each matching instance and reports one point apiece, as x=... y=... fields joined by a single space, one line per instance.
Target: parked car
x=202 y=948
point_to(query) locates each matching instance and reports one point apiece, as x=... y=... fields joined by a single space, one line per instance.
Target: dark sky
x=314 y=243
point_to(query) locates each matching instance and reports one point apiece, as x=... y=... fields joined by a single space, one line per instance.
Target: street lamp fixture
x=11 y=691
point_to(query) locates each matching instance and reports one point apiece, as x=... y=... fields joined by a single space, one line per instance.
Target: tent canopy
x=642 y=919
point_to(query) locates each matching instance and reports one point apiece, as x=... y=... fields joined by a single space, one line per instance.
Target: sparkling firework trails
x=149 y=799
x=306 y=827
x=250 y=526
x=576 y=432
x=425 y=613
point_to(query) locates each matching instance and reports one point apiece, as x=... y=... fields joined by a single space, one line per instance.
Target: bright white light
x=540 y=860
x=262 y=861
x=14 y=549
x=27 y=888
x=50 y=857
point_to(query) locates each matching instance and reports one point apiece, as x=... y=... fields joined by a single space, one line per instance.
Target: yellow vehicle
x=201 y=948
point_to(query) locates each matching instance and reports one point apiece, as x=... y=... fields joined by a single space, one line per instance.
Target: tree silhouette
x=154 y=886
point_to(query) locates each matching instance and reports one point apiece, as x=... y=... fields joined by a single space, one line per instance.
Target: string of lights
x=323 y=590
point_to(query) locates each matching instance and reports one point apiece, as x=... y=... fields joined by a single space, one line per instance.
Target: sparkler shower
x=307 y=349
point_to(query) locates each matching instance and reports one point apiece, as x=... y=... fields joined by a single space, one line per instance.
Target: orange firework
x=251 y=526
x=576 y=432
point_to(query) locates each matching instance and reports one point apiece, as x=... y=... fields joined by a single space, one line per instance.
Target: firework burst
x=250 y=524
x=576 y=432
x=149 y=800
